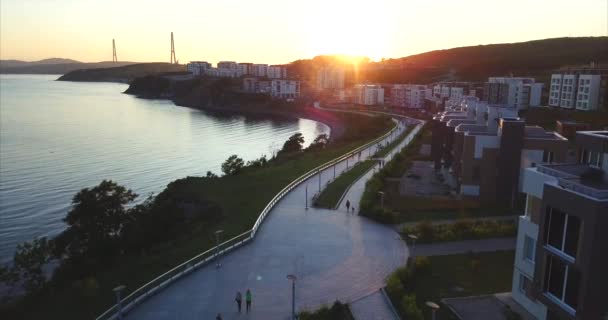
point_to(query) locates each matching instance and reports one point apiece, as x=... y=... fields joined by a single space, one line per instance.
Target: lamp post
x=117 y=291
x=434 y=307
x=381 y=199
x=413 y=237
x=217 y=248
x=334 y=171
x=293 y=279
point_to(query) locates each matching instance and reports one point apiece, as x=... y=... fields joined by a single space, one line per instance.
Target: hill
x=121 y=74
x=53 y=66
x=532 y=58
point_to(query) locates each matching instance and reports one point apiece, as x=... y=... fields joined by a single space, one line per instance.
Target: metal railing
x=162 y=281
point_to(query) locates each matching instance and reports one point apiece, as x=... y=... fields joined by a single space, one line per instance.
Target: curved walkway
x=333 y=254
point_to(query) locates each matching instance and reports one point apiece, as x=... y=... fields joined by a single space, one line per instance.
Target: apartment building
x=408 y=95
x=330 y=78
x=284 y=89
x=368 y=94
x=198 y=68
x=277 y=72
x=245 y=69
x=483 y=148
x=582 y=89
x=516 y=92
x=260 y=70
x=560 y=261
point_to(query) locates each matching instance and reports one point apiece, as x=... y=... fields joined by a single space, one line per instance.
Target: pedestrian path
x=372 y=307
x=335 y=256
x=458 y=247
x=452 y=221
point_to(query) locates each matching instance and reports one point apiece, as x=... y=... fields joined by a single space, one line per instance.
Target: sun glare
x=354 y=31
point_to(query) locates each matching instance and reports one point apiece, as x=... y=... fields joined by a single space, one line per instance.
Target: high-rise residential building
x=260 y=70
x=245 y=69
x=198 y=68
x=368 y=94
x=277 y=72
x=516 y=92
x=408 y=95
x=284 y=89
x=581 y=89
x=330 y=78
x=560 y=260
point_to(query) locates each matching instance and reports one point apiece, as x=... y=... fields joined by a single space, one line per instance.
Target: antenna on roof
x=173 y=58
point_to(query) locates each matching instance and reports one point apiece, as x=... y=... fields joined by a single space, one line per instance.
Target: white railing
x=580 y=188
x=160 y=282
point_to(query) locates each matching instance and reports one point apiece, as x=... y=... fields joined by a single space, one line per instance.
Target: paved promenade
x=458 y=247
x=372 y=307
x=334 y=255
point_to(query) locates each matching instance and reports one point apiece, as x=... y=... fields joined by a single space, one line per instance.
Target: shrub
x=394 y=287
x=410 y=308
x=425 y=230
x=423 y=264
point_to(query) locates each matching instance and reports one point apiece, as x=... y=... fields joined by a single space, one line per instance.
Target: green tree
x=320 y=142
x=233 y=165
x=293 y=144
x=28 y=261
x=95 y=222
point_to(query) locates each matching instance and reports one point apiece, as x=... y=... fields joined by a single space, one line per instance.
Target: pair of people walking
x=348 y=207
x=239 y=300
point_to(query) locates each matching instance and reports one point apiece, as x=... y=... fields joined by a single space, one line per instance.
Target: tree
x=233 y=165
x=293 y=144
x=210 y=175
x=95 y=222
x=320 y=142
x=29 y=260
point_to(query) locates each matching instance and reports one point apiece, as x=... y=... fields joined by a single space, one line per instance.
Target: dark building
x=562 y=249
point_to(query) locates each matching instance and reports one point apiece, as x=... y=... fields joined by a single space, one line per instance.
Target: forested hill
x=122 y=74
x=533 y=58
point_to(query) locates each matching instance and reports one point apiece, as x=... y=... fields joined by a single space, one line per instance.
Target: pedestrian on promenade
x=353 y=209
x=248 y=299
x=347 y=206
x=219 y=316
x=238 y=299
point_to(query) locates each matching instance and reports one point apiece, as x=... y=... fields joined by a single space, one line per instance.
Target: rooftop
x=536 y=132
x=579 y=178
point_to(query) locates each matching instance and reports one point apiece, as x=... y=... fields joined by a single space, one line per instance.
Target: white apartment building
x=330 y=78
x=260 y=70
x=576 y=90
x=284 y=89
x=408 y=95
x=198 y=68
x=517 y=92
x=277 y=72
x=368 y=94
x=244 y=69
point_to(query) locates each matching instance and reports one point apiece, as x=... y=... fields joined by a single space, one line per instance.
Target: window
x=529 y=249
x=561 y=281
x=562 y=231
x=547 y=156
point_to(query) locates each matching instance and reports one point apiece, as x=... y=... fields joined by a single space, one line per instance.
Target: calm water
x=59 y=137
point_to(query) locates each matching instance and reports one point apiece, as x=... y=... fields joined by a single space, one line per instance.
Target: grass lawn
x=241 y=198
x=333 y=192
x=474 y=274
x=458 y=275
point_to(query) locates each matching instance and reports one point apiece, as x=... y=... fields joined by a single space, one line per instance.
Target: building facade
x=198 y=68
x=330 y=78
x=408 y=95
x=516 y=92
x=368 y=94
x=277 y=72
x=582 y=89
x=284 y=89
x=561 y=263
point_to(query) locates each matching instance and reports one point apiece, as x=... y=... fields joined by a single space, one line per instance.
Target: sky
x=280 y=31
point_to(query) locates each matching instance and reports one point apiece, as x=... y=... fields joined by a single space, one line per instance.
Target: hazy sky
x=280 y=31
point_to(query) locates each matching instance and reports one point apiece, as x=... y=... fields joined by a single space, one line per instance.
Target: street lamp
x=413 y=237
x=434 y=307
x=293 y=279
x=319 y=171
x=306 y=196
x=117 y=291
x=381 y=199
x=217 y=248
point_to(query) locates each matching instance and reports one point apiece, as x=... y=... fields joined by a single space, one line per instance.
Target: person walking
x=347 y=206
x=248 y=300
x=353 y=209
x=219 y=316
x=238 y=299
